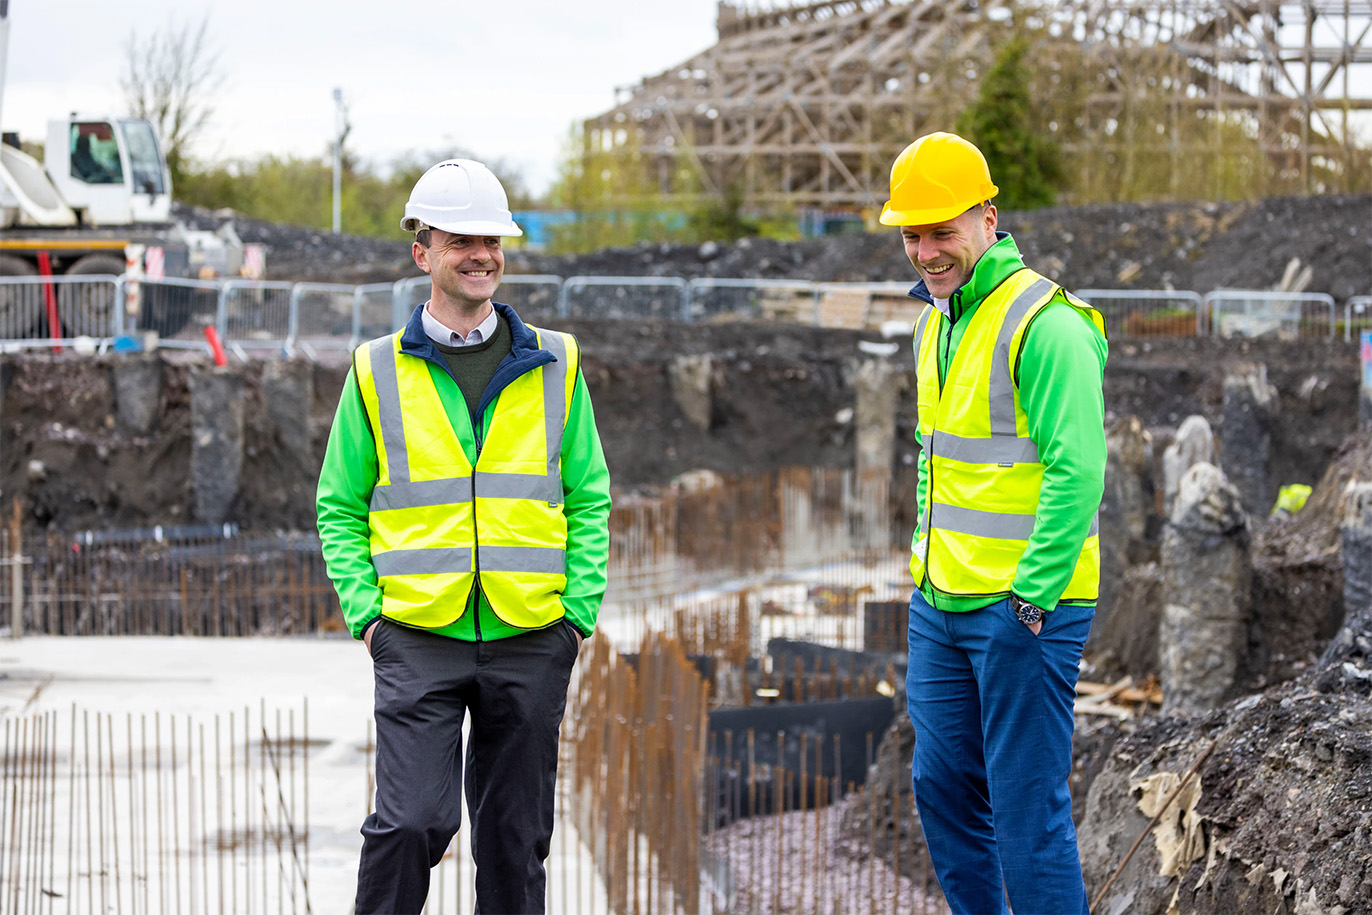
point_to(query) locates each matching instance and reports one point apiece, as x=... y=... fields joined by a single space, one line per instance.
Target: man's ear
x=421 y=256
x=991 y=218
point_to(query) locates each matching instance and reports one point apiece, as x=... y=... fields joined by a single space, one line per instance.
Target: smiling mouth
x=476 y=273
x=938 y=271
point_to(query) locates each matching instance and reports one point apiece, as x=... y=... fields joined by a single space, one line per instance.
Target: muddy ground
x=1285 y=811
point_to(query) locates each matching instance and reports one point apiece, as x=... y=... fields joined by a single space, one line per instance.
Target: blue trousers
x=992 y=708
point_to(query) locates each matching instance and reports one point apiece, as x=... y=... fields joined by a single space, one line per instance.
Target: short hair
x=423 y=237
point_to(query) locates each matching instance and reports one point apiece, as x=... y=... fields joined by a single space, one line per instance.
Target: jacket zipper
x=476 y=546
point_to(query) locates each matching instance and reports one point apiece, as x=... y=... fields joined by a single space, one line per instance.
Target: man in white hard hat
x=463 y=512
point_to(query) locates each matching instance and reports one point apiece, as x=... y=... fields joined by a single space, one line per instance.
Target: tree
x=1006 y=126
x=170 y=78
x=606 y=186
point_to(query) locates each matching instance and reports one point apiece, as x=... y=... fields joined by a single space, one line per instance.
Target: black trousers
x=516 y=692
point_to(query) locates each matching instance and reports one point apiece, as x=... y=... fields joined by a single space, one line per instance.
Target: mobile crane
x=96 y=205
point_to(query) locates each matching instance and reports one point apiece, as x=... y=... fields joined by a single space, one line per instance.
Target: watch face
x=1028 y=613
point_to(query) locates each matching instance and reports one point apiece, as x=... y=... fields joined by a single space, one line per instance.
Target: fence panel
x=1257 y=313
x=323 y=316
x=716 y=299
x=177 y=310
x=406 y=296
x=1148 y=312
x=84 y=306
x=866 y=305
x=534 y=295
x=1357 y=317
x=374 y=311
x=661 y=298
x=255 y=314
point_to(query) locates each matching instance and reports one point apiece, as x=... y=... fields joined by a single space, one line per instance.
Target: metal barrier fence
x=43 y=309
x=630 y=298
x=1287 y=315
x=713 y=298
x=256 y=314
x=323 y=316
x=1148 y=312
x=279 y=318
x=1357 y=317
x=177 y=310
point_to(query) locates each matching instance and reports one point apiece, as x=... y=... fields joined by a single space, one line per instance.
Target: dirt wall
x=80 y=454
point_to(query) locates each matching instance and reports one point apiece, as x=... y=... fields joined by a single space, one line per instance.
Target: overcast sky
x=501 y=79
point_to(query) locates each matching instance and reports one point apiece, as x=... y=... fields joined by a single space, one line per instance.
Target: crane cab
x=111 y=171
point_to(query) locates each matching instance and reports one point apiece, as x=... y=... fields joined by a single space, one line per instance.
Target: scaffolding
x=807 y=105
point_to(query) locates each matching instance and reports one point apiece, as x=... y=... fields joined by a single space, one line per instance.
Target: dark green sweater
x=474 y=366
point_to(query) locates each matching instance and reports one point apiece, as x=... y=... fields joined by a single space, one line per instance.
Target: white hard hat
x=461 y=196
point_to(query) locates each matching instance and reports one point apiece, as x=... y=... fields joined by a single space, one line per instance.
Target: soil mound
x=1195 y=246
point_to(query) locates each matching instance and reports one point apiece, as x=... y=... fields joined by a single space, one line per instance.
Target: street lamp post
x=338 y=161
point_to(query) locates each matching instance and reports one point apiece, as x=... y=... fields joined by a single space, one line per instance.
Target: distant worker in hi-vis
x=463 y=512
x=1006 y=556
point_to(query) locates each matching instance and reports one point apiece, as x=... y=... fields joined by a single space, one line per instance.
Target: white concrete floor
x=205 y=679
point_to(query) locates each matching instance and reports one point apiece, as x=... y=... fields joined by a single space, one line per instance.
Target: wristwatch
x=1027 y=613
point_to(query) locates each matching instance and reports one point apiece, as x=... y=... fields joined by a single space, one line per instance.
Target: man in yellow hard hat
x=1006 y=557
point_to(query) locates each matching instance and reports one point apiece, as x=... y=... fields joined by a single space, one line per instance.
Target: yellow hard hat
x=937 y=177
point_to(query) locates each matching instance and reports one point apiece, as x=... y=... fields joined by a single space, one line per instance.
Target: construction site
x=187 y=722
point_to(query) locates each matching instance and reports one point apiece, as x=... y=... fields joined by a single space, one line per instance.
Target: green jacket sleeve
x=1061 y=372
x=586 y=493
x=586 y=488
x=345 y=488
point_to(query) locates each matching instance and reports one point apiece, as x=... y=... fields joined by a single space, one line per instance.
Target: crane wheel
x=21 y=304
x=90 y=309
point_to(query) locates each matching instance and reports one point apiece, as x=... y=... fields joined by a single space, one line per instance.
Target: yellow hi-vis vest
x=984 y=473
x=437 y=522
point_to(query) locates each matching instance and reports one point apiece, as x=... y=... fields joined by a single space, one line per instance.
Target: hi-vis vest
x=437 y=522
x=984 y=472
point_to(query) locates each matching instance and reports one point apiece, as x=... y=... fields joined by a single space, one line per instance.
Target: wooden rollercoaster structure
x=807 y=105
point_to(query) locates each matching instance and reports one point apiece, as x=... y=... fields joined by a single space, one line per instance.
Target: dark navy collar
x=415 y=341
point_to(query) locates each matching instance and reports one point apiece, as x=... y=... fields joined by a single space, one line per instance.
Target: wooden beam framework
x=807 y=105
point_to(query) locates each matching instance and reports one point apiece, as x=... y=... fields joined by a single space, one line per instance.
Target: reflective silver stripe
x=554 y=412
x=421 y=494
x=455 y=560
x=997 y=525
x=402 y=493
x=998 y=449
x=919 y=329
x=388 y=406
x=977 y=523
x=545 y=560
x=517 y=486
x=1002 y=381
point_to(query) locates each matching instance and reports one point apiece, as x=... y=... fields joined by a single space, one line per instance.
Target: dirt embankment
x=781 y=395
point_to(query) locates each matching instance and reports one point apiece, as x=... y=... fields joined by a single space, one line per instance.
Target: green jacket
x=1060 y=376
x=350 y=471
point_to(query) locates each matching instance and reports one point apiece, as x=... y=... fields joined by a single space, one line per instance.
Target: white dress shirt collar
x=442 y=333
